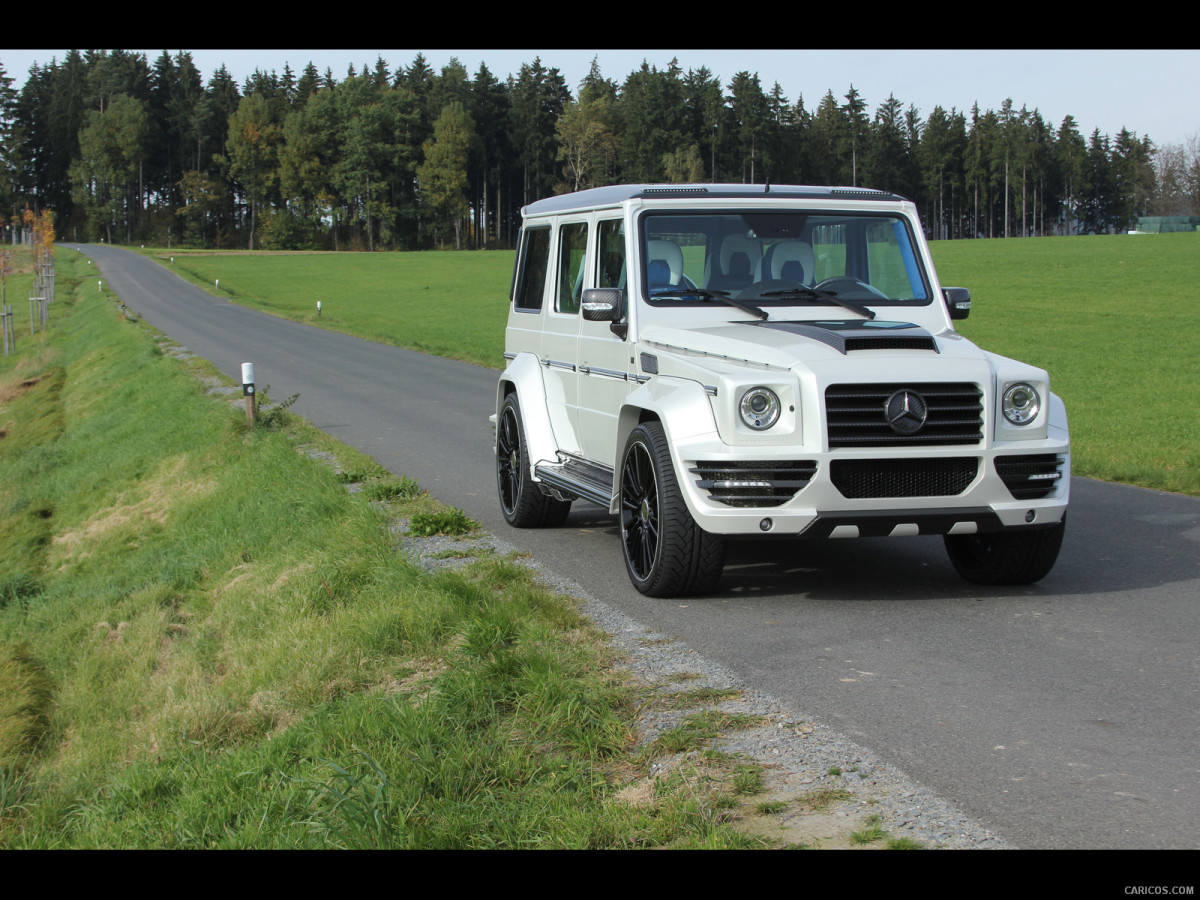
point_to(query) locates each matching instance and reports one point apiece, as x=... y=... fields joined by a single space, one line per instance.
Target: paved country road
x=1064 y=714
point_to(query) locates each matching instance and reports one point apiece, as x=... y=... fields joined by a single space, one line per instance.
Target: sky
x=1150 y=92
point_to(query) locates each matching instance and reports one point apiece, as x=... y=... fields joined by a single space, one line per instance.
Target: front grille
x=856 y=415
x=869 y=478
x=1032 y=476
x=759 y=483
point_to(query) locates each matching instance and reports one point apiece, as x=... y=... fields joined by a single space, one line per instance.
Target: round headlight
x=1021 y=404
x=759 y=408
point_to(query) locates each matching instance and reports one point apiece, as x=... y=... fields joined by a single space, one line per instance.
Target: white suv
x=719 y=361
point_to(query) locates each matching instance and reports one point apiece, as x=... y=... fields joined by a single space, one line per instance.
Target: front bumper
x=843 y=493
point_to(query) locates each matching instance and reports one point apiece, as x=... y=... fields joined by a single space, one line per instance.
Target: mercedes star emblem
x=906 y=412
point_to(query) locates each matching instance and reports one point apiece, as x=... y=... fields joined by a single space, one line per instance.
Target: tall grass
x=207 y=641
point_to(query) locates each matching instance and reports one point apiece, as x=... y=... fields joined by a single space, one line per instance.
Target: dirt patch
x=159 y=494
x=10 y=392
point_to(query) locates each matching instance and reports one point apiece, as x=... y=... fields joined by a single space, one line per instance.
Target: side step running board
x=580 y=479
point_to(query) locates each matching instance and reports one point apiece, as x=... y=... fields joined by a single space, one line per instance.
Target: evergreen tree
x=884 y=160
x=942 y=145
x=309 y=153
x=489 y=107
x=784 y=140
x=308 y=84
x=749 y=118
x=538 y=98
x=1070 y=154
x=9 y=152
x=854 y=133
x=1133 y=173
x=705 y=115
x=825 y=141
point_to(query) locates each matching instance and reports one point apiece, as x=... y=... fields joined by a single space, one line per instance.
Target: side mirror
x=958 y=301
x=603 y=304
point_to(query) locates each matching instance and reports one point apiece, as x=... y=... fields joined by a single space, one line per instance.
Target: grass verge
x=206 y=640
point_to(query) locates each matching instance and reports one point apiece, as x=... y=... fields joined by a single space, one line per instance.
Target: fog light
x=766 y=525
x=1030 y=515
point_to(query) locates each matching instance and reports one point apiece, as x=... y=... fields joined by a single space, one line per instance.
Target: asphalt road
x=1060 y=715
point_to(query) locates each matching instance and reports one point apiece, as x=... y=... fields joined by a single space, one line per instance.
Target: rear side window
x=531 y=270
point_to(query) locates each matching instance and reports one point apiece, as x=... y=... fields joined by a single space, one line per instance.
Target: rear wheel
x=666 y=552
x=521 y=500
x=1006 y=557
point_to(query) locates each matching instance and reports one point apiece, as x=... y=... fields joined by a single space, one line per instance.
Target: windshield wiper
x=822 y=295
x=706 y=294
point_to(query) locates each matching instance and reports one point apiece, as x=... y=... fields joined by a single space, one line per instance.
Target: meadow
x=1113 y=318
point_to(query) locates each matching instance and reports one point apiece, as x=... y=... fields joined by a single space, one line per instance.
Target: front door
x=604 y=361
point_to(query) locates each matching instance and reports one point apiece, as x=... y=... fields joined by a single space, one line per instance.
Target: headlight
x=1021 y=403
x=759 y=408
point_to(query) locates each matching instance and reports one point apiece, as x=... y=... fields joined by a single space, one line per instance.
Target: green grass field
x=446 y=304
x=1113 y=318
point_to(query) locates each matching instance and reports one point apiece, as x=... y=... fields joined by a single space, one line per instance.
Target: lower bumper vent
x=868 y=478
x=1032 y=476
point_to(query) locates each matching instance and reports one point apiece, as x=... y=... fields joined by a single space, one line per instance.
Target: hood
x=783 y=344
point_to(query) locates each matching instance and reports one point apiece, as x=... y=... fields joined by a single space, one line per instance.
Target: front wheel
x=1006 y=557
x=666 y=552
x=521 y=500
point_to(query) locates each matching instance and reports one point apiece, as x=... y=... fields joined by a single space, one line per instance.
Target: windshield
x=782 y=258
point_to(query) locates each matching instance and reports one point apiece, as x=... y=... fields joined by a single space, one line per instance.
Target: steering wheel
x=841 y=282
x=756 y=289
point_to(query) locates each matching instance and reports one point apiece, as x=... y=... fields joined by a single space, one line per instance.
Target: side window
x=531 y=274
x=610 y=261
x=572 y=264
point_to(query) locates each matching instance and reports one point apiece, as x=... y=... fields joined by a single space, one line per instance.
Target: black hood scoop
x=860 y=334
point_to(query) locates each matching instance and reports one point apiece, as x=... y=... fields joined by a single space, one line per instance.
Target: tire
x=666 y=553
x=1006 y=557
x=521 y=500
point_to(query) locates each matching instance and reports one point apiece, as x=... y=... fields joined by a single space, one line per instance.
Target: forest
x=128 y=151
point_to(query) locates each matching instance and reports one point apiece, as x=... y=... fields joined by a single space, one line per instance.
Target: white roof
x=615 y=194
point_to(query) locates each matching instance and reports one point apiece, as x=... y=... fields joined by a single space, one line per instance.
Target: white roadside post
x=248 y=391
